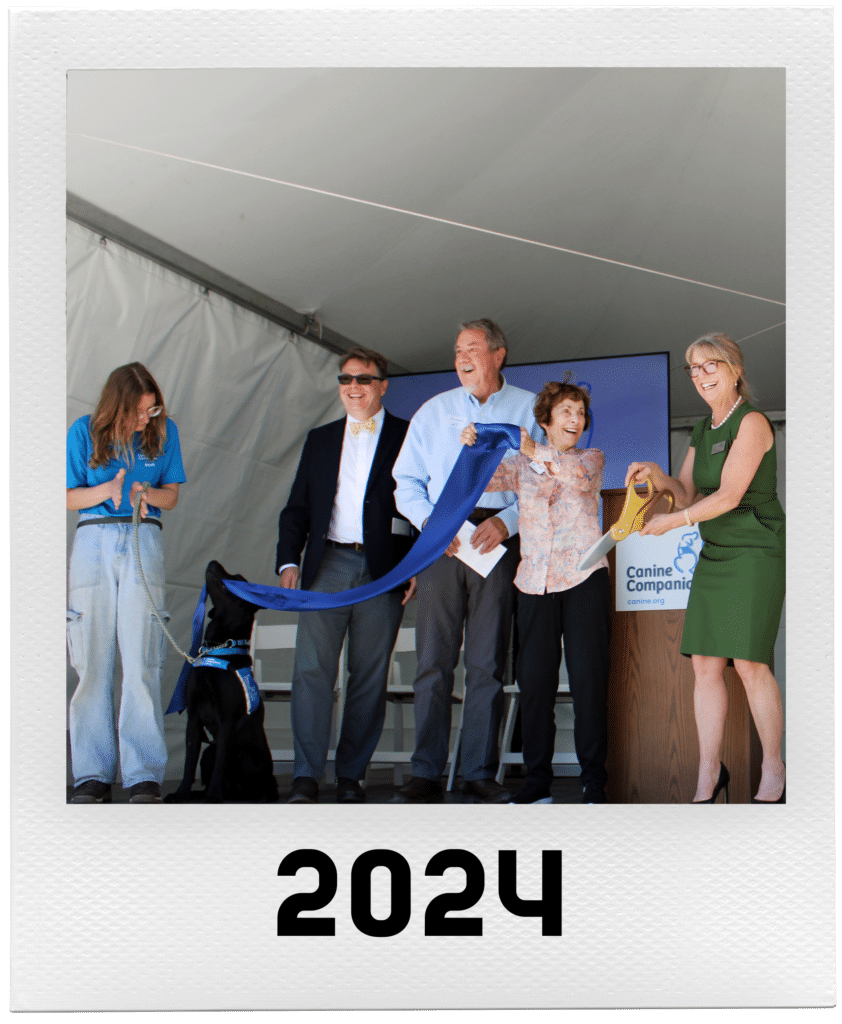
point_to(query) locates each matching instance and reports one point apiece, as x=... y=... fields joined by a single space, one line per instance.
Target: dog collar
x=226 y=650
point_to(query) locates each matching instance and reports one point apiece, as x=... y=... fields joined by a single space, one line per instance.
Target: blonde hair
x=720 y=346
x=112 y=424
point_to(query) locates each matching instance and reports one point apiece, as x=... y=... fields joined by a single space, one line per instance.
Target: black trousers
x=582 y=615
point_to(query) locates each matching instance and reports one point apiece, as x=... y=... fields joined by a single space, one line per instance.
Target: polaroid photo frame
x=660 y=905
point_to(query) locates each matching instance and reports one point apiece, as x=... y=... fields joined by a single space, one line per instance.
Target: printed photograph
x=259 y=261
x=422 y=382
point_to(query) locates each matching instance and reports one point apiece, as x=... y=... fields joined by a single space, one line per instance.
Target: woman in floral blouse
x=558 y=487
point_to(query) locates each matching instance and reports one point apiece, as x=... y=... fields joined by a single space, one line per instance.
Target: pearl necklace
x=727 y=414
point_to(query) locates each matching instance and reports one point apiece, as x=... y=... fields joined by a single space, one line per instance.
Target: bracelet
x=687 y=517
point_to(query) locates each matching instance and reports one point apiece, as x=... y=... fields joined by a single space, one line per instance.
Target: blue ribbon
x=462 y=490
x=250 y=690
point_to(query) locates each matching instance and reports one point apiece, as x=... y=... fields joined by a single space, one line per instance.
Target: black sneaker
x=533 y=793
x=594 y=795
x=145 y=793
x=92 y=792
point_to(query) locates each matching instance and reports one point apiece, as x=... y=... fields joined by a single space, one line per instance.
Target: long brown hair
x=112 y=424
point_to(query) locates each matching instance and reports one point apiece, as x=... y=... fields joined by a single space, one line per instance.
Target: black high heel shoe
x=781 y=799
x=722 y=783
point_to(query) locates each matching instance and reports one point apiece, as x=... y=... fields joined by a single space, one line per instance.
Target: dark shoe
x=486 y=791
x=722 y=783
x=145 y=793
x=594 y=795
x=533 y=793
x=92 y=792
x=349 y=791
x=419 y=791
x=304 y=791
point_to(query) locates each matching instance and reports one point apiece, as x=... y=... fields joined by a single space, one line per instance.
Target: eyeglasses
x=361 y=378
x=152 y=412
x=709 y=367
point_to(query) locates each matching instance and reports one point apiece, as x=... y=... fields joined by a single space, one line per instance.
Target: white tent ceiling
x=674 y=170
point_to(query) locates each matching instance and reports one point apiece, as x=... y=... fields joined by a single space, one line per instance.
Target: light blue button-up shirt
x=432 y=447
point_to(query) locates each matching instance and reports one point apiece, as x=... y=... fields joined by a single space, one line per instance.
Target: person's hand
x=527 y=447
x=115 y=489
x=468 y=435
x=289 y=577
x=138 y=488
x=661 y=524
x=489 y=534
x=640 y=471
x=410 y=590
x=453 y=547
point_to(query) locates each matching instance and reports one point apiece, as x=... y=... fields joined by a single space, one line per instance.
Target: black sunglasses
x=360 y=378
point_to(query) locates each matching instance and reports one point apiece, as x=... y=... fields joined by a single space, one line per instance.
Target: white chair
x=273 y=637
x=507 y=756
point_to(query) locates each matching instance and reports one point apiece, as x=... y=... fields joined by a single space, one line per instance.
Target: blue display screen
x=629 y=403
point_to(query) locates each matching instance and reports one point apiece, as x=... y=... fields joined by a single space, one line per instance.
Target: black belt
x=117 y=519
x=479 y=515
x=349 y=547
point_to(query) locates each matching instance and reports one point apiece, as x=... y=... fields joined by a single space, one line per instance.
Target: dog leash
x=136 y=529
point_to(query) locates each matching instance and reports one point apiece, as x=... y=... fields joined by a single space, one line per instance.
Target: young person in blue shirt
x=127 y=447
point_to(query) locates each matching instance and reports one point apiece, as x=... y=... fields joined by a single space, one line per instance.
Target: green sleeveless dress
x=735 y=602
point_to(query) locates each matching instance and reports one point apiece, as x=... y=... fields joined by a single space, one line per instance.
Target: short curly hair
x=555 y=391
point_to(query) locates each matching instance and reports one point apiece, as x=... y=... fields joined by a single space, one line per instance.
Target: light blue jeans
x=107 y=608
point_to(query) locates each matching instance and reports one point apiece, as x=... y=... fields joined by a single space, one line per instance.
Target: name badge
x=537 y=467
x=717 y=448
x=402 y=527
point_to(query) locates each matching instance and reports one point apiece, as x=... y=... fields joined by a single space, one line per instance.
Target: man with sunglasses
x=342 y=507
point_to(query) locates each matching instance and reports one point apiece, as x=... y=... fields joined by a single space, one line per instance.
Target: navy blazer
x=306 y=518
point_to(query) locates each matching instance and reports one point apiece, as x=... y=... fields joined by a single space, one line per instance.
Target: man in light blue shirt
x=452 y=596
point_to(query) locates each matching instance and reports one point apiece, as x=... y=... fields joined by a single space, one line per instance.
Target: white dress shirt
x=346 y=520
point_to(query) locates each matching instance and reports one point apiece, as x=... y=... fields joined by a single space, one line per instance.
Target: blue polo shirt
x=166 y=469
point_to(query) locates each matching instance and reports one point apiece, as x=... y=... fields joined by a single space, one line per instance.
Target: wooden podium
x=653 y=750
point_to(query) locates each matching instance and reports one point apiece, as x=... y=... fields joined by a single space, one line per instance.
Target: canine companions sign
x=656 y=572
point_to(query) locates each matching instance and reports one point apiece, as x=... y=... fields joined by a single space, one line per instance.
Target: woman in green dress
x=727 y=485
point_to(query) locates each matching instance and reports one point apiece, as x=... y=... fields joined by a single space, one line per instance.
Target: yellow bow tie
x=357 y=427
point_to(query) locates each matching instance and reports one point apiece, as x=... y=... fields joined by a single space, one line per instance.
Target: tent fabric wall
x=242 y=390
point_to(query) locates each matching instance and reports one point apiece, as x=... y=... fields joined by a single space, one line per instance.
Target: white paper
x=483 y=564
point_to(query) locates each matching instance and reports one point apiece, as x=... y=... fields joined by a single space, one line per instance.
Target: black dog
x=237 y=766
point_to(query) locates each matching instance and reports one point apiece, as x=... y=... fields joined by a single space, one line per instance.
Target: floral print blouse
x=558 y=514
